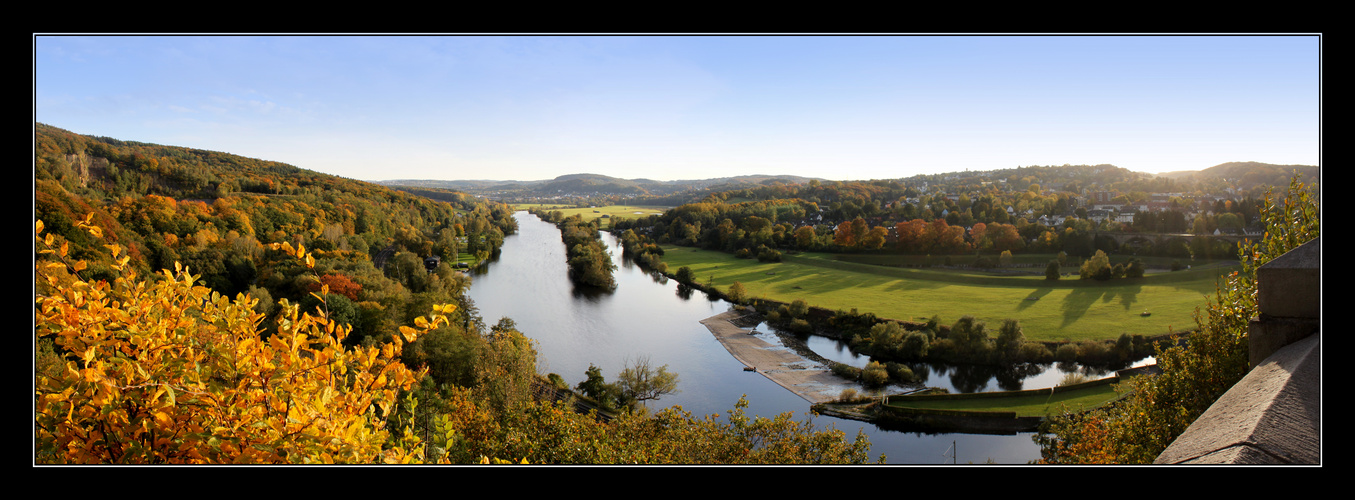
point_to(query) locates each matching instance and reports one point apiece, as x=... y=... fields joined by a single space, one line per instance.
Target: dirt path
x=807 y=379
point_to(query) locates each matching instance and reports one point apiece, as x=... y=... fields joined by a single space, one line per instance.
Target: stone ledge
x=1272 y=416
x=1290 y=286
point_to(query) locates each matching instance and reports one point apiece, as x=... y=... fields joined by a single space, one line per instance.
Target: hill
x=218 y=214
x=596 y=184
x=1249 y=174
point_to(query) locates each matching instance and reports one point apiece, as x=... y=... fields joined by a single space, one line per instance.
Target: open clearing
x=1067 y=309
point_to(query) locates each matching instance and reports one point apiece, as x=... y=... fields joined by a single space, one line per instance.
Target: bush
x=1066 y=353
x=845 y=370
x=773 y=317
x=1093 y=352
x=900 y=372
x=915 y=345
x=1072 y=378
x=1035 y=352
x=1097 y=267
x=848 y=395
x=685 y=275
x=875 y=375
x=1051 y=271
x=1134 y=269
x=737 y=294
x=765 y=254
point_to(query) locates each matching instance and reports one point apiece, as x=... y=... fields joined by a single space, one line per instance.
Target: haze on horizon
x=693 y=107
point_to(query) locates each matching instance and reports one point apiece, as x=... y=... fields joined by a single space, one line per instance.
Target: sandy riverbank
x=810 y=380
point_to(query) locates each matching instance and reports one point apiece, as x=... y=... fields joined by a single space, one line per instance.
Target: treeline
x=758 y=228
x=590 y=264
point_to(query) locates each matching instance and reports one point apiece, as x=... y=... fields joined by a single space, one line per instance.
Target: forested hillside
x=280 y=330
x=217 y=213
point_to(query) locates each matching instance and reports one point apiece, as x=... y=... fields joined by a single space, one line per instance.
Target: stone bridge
x=1156 y=239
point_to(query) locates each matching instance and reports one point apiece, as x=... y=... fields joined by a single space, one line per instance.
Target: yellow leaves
x=298 y=252
x=158 y=364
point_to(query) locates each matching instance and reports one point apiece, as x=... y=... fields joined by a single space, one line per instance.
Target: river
x=648 y=317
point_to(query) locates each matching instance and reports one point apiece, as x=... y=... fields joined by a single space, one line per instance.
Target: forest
x=198 y=307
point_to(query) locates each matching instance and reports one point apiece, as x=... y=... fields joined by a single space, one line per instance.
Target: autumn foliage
x=167 y=371
x=336 y=283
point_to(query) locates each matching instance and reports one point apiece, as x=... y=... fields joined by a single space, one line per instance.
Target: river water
x=649 y=317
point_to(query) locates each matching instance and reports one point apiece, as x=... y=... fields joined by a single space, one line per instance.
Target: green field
x=1067 y=309
x=1027 y=405
x=612 y=211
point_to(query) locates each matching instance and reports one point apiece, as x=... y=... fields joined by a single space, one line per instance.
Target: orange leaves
x=169 y=372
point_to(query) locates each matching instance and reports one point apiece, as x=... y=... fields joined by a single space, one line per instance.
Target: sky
x=837 y=107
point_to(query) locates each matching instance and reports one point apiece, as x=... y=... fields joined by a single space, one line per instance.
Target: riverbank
x=807 y=379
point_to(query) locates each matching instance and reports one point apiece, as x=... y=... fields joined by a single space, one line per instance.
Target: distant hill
x=1241 y=175
x=588 y=184
x=1248 y=174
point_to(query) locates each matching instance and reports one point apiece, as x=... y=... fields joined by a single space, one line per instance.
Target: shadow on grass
x=1077 y=302
x=1034 y=297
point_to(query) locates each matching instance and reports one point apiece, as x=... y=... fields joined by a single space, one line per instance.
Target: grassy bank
x=1028 y=404
x=1067 y=309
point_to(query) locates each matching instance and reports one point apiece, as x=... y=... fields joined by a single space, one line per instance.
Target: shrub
x=773 y=317
x=765 y=254
x=1035 y=352
x=1051 y=271
x=1072 y=378
x=685 y=275
x=737 y=294
x=845 y=370
x=848 y=395
x=900 y=372
x=1134 y=269
x=875 y=375
x=915 y=345
x=1066 y=353
x=1093 y=352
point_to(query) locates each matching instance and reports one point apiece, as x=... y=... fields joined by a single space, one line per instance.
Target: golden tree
x=165 y=371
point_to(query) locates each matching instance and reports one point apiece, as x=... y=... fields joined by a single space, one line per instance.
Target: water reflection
x=574 y=328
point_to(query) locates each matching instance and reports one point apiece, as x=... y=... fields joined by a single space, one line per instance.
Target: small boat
x=750 y=368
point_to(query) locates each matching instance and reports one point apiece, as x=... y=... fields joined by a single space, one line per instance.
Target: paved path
x=807 y=379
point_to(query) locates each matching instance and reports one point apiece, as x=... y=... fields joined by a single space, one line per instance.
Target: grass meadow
x=1026 y=405
x=1066 y=309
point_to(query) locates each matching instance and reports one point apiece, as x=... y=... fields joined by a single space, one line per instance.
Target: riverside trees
x=590 y=264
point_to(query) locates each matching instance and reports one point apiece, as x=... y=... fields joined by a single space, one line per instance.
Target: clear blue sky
x=693 y=107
